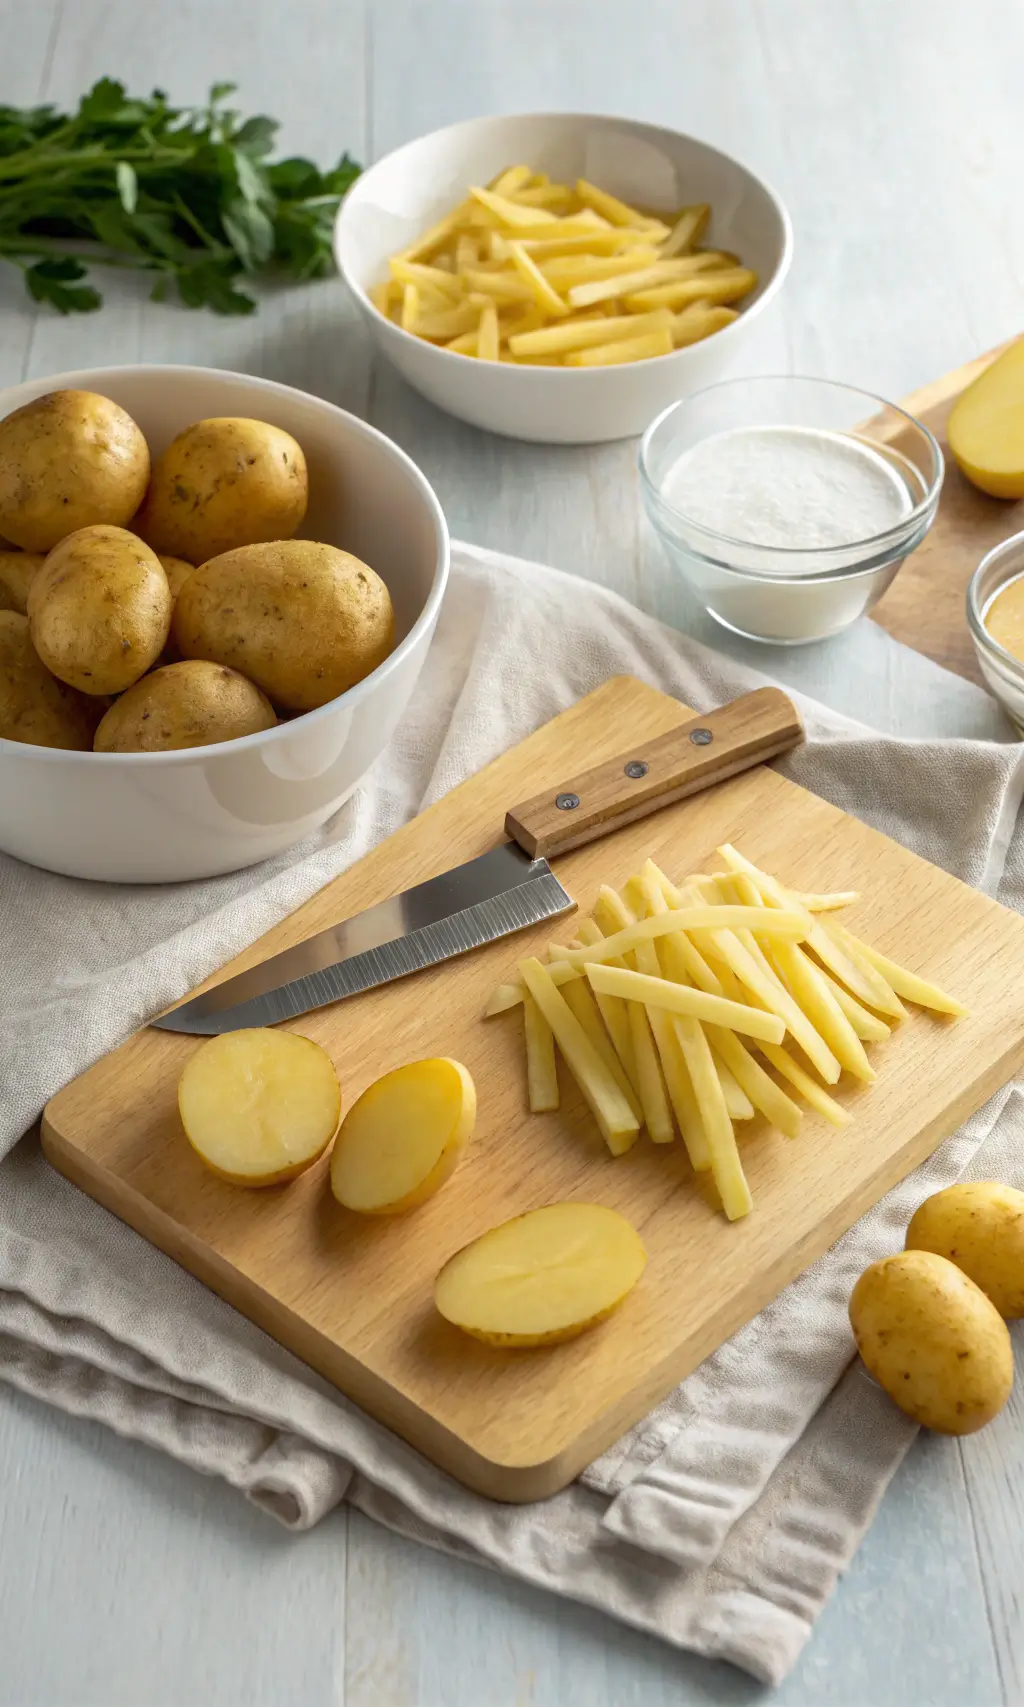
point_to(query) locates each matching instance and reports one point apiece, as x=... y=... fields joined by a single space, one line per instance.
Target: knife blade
x=498 y=893
x=505 y=890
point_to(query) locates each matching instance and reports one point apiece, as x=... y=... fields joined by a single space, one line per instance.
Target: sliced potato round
x=544 y=1277
x=259 y=1106
x=403 y=1137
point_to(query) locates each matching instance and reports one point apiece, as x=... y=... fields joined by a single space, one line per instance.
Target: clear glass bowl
x=1002 y=671
x=789 y=596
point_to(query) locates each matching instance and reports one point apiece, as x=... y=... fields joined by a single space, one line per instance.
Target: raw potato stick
x=766 y=1026
x=766 y=989
x=690 y=918
x=905 y=983
x=619 y=1126
x=613 y=1011
x=688 y=230
x=736 y=1099
x=541 y=1067
x=762 y=1090
x=809 y=1088
x=805 y=982
x=808 y=987
x=580 y=1000
x=868 y=1026
x=862 y=981
x=505 y=996
x=779 y=1109
x=675 y=1068
x=611 y=912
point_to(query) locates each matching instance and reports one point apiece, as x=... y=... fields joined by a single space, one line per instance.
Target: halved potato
x=544 y=1277
x=258 y=1107
x=403 y=1137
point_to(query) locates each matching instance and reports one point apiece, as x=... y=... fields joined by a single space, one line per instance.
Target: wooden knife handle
x=655 y=773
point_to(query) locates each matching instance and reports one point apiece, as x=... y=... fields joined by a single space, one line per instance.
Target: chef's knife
x=502 y=891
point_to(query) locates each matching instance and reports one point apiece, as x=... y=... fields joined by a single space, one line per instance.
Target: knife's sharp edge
x=500 y=915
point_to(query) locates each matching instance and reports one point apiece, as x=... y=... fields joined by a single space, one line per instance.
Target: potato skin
x=68 y=460
x=100 y=610
x=18 y=569
x=176 y=570
x=35 y=709
x=222 y=483
x=932 y=1339
x=304 y=622
x=979 y=1226
x=190 y=704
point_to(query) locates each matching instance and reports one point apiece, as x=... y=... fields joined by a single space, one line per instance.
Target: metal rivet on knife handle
x=701 y=751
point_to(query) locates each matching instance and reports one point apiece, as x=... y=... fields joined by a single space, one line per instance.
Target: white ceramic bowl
x=407 y=191
x=162 y=817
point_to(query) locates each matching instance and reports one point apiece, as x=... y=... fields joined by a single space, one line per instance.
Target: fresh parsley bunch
x=187 y=194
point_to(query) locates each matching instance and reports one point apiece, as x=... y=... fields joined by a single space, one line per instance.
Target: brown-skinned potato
x=303 y=621
x=18 y=569
x=222 y=483
x=68 y=460
x=189 y=704
x=36 y=709
x=100 y=610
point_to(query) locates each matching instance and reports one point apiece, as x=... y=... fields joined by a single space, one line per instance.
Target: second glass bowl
x=789 y=596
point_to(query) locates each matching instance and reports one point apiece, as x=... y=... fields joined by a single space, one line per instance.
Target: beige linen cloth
x=720 y=1522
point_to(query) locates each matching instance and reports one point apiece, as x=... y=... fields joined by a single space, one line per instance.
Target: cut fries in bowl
x=641 y=200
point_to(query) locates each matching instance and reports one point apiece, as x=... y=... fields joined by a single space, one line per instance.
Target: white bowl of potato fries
x=561 y=277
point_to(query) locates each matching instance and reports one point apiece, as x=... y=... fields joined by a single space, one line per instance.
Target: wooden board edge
x=508 y=1482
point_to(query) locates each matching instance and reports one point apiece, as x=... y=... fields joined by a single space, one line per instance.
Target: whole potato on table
x=931 y=1338
x=979 y=1225
x=34 y=708
x=100 y=610
x=191 y=704
x=18 y=569
x=223 y=483
x=68 y=460
x=303 y=621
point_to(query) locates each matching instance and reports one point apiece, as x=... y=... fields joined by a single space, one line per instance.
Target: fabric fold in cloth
x=721 y=1521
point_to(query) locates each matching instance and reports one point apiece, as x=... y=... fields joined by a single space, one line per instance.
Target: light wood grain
x=652 y=774
x=354 y=1299
x=924 y=607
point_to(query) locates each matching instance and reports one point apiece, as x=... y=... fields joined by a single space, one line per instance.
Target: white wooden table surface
x=894 y=129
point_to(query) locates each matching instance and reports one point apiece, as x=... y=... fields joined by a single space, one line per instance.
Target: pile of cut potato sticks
x=674 y=1001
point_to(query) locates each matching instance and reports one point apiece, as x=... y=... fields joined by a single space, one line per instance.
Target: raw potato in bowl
x=189 y=704
x=68 y=460
x=100 y=610
x=305 y=622
x=224 y=483
x=18 y=569
x=34 y=708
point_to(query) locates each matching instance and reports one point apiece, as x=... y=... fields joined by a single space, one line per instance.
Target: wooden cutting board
x=924 y=607
x=353 y=1297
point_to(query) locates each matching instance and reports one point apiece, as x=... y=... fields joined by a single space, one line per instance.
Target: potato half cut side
x=259 y=1106
x=403 y=1137
x=542 y=1278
